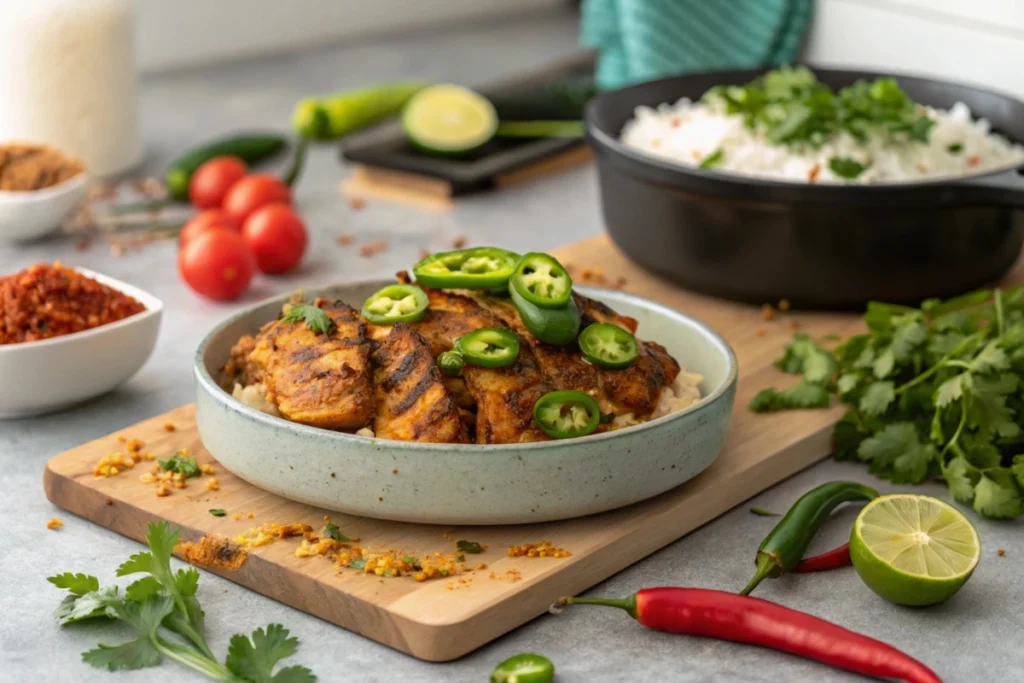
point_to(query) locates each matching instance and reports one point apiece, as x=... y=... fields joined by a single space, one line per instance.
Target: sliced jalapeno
x=477 y=268
x=489 y=347
x=566 y=414
x=608 y=346
x=396 y=304
x=542 y=280
x=451 y=363
x=524 y=668
x=557 y=326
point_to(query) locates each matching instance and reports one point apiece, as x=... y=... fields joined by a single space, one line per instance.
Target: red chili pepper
x=833 y=559
x=744 y=619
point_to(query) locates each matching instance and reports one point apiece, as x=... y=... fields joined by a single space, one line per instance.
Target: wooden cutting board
x=442 y=619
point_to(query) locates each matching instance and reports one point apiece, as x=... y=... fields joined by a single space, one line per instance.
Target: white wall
x=176 y=33
x=971 y=41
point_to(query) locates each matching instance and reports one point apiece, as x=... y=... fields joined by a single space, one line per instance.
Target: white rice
x=687 y=132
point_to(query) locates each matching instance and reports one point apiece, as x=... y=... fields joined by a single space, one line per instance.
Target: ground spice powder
x=46 y=301
x=25 y=167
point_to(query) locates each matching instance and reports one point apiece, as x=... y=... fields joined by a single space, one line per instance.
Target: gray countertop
x=974 y=637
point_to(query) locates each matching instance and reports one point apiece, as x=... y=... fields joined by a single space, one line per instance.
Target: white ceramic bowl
x=43 y=376
x=28 y=215
x=469 y=483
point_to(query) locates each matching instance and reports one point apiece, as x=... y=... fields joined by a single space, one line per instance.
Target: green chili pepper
x=542 y=280
x=784 y=547
x=608 y=346
x=566 y=414
x=477 y=268
x=451 y=363
x=489 y=347
x=524 y=668
x=396 y=304
x=558 y=326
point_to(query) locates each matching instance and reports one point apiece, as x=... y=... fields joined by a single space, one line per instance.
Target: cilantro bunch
x=163 y=609
x=932 y=392
x=790 y=106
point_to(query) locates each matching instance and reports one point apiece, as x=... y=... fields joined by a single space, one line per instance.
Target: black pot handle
x=1005 y=188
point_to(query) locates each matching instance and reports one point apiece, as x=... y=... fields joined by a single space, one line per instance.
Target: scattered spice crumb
x=109 y=501
x=135 y=445
x=266 y=534
x=213 y=484
x=56 y=524
x=768 y=312
x=380 y=499
x=162 y=491
x=345 y=239
x=760 y=332
x=213 y=551
x=116 y=250
x=333 y=475
x=1001 y=552
x=973 y=160
x=813 y=175
x=459 y=242
x=794 y=325
x=356 y=203
x=122 y=439
x=169 y=427
x=784 y=305
x=542 y=549
x=371 y=248
x=394 y=471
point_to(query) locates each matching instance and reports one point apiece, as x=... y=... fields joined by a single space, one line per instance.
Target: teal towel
x=640 y=40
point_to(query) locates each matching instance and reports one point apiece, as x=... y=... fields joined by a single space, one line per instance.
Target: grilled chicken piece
x=630 y=390
x=412 y=401
x=239 y=369
x=323 y=380
x=504 y=396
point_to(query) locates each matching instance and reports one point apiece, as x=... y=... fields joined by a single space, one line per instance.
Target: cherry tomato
x=217 y=264
x=276 y=237
x=211 y=181
x=207 y=220
x=254 y=191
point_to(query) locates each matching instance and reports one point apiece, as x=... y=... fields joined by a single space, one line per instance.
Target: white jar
x=67 y=78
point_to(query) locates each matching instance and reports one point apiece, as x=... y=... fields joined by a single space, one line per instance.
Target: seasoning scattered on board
x=542 y=549
x=45 y=301
x=56 y=524
x=25 y=167
x=213 y=551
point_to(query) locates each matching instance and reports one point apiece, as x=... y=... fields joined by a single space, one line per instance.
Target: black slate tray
x=385 y=145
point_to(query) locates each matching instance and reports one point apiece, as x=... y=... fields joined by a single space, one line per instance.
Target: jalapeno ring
x=476 y=268
x=396 y=304
x=609 y=346
x=566 y=414
x=489 y=347
x=542 y=280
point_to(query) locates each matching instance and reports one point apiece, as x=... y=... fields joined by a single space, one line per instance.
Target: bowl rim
x=154 y=306
x=67 y=186
x=212 y=389
x=601 y=138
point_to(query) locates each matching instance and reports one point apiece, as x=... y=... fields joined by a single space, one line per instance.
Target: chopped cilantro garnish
x=332 y=531
x=409 y=559
x=469 y=547
x=931 y=392
x=314 y=317
x=761 y=512
x=358 y=563
x=791 y=106
x=182 y=464
x=713 y=159
x=847 y=168
x=955 y=148
x=217 y=512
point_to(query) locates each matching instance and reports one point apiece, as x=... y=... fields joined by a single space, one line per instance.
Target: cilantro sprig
x=186 y=466
x=162 y=609
x=932 y=392
x=790 y=106
x=315 y=317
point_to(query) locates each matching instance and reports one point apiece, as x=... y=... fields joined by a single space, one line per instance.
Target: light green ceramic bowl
x=468 y=483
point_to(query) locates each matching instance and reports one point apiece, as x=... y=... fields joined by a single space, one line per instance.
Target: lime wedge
x=448 y=119
x=913 y=550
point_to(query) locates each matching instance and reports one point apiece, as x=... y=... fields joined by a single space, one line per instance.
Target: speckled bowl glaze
x=468 y=483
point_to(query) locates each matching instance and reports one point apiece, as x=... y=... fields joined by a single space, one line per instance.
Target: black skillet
x=819 y=246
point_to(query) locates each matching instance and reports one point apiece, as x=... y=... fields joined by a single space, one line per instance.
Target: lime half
x=449 y=119
x=913 y=550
